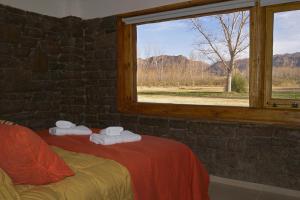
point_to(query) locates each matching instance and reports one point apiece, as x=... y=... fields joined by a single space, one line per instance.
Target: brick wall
x=29 y=46
x=42 y=64
x=66 y=68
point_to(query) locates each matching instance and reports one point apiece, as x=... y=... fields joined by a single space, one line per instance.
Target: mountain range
x=280 y=60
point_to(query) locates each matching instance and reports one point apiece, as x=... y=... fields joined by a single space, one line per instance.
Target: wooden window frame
x=257 y=112
x=270 y=11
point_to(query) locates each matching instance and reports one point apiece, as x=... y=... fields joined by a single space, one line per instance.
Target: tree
x=225 y=43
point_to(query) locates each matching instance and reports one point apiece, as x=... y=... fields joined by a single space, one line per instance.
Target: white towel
x=77 y=130
x=105 y=139
x=64 y=124
x=126 y=136
x=112 y=130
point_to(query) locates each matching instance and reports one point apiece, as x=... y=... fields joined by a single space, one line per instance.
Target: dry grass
x=188 y=75
x=286 y=77
x=177 y=76
x=186 y=84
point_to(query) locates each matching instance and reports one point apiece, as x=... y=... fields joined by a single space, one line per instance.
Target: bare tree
x=154 y=61
x=225 y=44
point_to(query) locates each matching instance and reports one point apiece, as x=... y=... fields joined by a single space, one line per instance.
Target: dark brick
x=153 y=121
x=144 y=129
x=128 y=118
x=178 y=124
x=9 y=33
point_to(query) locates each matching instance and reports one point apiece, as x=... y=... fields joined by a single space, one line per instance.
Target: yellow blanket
x=7 y=189
x=95 y=179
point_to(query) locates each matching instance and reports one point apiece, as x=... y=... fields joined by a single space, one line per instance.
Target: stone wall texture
x=66 y=69
x=41 y=67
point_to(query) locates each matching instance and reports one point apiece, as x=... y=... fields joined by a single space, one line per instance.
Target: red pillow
x=28 y=159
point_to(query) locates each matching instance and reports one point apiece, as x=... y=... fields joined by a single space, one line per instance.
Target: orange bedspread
x=160 y=169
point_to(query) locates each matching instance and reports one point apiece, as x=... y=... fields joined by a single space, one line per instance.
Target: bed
x=95 y=178
x=160 y=169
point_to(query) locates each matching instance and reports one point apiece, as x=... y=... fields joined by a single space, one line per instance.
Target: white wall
x=85 y=9
x=103 y=8
x=55 y=8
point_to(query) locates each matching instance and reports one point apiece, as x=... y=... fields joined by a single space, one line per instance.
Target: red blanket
x=160 y=169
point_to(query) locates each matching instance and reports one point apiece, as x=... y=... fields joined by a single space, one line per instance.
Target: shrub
x=238 y=83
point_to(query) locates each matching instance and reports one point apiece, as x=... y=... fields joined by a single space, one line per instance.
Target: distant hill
x=283 y=60
x=287 y=60
x=241 y=64
x=166 y=60
x=280 y=60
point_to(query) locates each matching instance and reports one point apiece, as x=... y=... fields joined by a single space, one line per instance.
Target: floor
x=220 y=191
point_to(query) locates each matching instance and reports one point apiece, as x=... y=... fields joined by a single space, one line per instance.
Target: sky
x=177 y=37
x=286 y=32
x=171 y=38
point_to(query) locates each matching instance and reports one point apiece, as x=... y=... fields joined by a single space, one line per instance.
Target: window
x=174 y=61
x=283 y=56
x=201 y=60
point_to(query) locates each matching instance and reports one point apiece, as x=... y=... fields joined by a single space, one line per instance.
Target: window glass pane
x=286 y=56
x=202 y=60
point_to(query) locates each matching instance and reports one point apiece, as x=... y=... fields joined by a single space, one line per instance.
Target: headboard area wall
x=66 y=68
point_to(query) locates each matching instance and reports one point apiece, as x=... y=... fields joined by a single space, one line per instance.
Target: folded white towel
x=105 y=139
x=126 y=136
x=77 y=130
x=112 y=130
x=64 y=124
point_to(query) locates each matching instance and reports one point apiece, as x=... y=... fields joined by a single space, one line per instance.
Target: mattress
x=95 y=179
x=160 y=168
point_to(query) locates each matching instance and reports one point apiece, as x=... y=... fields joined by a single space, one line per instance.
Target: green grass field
x=204 y=95
x=286 y=95
x=231 y=95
